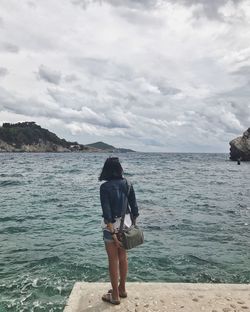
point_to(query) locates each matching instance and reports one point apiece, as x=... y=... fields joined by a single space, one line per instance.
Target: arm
x=107 y=215
x=106 y=209
x=132 y=202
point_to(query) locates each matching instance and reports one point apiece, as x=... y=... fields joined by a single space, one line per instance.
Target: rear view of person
x=113 y=194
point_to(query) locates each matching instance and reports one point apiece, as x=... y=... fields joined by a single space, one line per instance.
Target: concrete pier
x=164 y=297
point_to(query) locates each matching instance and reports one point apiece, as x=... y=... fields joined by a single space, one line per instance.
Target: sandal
x=108 y=298
x=121 y=294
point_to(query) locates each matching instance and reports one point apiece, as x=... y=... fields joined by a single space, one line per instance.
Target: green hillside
x=101 y=145
x=30 y=137
x=108 y=148
x=23 y=133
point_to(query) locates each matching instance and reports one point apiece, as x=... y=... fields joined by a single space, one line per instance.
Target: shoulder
x=128 y=184
x=127 y=181
x=108 y=185
x=103 y=186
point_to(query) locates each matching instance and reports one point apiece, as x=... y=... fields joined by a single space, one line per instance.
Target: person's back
x=113 y=195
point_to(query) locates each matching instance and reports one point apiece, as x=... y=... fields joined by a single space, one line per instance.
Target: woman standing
x=113 y=194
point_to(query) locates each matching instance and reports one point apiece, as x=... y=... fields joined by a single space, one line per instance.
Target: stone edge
x=74 y=298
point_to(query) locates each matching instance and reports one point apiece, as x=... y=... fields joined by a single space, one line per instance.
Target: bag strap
x=124 y=208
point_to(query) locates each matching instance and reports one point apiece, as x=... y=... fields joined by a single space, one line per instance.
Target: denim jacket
x=112 y=195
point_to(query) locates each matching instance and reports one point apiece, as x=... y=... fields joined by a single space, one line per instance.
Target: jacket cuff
x=106 y=221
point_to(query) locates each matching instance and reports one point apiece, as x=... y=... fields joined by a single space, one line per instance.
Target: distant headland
x=30 y=137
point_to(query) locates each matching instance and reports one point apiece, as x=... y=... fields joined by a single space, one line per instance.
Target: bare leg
x=112 y=252
x=123 y=268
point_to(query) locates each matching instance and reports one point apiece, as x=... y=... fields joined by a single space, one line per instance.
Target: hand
x=117 y=242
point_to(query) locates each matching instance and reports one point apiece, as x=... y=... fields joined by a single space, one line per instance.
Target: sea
x=194 y=210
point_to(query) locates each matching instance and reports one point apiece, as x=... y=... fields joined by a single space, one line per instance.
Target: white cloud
x=150 y=75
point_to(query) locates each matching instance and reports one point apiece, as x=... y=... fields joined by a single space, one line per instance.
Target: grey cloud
x=144 y=82
x=151 y=142
x=134 y=13
x=27 y=107
x=241 y=110
x=210 y=8
x=31 y=4
x=92 y=66
x=104 y=68
x=237 y=103
x=215 y=117
x=67 y=99
x=88 y=105
x=9 y=47
x=134 y=4
x=86 y=91
x=166 y=89
x=242 y=92
x=85 y=3
x=144 y=18
x=237 y=100
x=34 y=108
x=3 y=71
x=243 y=70
x=139 y=4
x=70 y=78
x=1 y=22
x=49 y=75
x=215 y=4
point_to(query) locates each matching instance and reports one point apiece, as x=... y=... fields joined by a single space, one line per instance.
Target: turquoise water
x=194 y=209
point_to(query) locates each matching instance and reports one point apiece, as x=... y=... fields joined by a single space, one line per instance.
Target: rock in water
x=240 y=147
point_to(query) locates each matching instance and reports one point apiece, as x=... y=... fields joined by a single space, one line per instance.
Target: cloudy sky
x=150 y=75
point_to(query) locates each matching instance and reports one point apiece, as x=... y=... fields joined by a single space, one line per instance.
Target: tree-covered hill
x=29 y=137
x=108 y=148
x=23 y=134
x=102 y=146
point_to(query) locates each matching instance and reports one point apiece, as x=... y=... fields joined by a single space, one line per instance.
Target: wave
x=198 y=260
x=153 y=227
x=50 y=200
x=71 y=171
x=13 y=230
x=12 y=175
x=4 y=219
x=20 y=218
x=18 y=250
x=45 y=260
x=10 y=183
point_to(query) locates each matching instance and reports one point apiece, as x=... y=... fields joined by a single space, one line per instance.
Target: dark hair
x=112 y=169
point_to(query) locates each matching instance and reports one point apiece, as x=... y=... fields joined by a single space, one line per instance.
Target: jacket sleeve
x=132 y=202
x=105 y=203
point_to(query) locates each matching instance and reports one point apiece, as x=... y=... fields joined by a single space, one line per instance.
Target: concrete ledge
x=165 y=297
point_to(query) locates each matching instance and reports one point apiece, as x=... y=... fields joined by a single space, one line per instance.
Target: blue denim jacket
x=112 y=196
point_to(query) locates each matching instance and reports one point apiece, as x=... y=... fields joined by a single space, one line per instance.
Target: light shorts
x=107 y=237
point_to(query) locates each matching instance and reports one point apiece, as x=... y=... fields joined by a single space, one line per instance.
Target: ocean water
x=194 y=209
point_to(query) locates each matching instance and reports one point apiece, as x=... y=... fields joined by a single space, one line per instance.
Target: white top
x=116 y=224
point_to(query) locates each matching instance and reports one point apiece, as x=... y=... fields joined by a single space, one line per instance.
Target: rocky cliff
x=240 y=147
